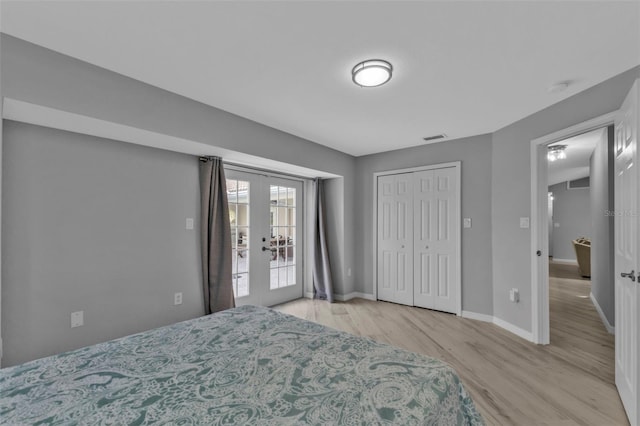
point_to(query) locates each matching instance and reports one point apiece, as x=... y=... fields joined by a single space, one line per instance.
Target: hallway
x=575 y=325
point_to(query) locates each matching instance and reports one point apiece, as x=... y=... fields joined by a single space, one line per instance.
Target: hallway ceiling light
x=556 y=152
x=372 y=73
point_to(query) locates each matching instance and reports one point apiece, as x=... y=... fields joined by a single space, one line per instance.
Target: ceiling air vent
x=434 y=137
x=578 y=183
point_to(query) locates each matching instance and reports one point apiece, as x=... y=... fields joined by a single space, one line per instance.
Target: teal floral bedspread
x=247 y=365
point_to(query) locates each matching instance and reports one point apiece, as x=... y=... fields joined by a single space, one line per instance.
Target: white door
x=395 y=238
x=627 y=290
x=266 y=219
x=436 y=228
x=418 y=238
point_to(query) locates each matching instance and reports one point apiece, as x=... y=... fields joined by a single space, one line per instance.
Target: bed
x=247 y=365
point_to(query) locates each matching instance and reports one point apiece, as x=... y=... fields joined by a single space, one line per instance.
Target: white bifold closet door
x=395 y=239
x=418 y=237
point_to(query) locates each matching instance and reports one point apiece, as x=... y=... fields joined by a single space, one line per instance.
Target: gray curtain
x=322 y=282
x=215 y=235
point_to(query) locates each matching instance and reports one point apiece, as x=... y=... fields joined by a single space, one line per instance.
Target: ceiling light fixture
x=556 y=152
x=372 y=73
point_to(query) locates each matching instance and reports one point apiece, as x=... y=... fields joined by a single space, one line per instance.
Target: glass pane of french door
x=238 y=197
x=282 y=222
x=266 y=216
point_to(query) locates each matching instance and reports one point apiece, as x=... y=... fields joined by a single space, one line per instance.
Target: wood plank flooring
x=512 y=381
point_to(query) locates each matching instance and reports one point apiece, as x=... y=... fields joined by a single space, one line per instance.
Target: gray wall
x=37 y=75
x=602 y=243
x=511 y=188
x=572 y=212
x=94 y=225
x=475 y=155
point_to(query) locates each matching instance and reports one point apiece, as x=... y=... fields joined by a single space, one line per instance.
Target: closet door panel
x=395 y=236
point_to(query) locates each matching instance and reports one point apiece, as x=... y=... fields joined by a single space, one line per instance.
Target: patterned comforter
x=247 y=365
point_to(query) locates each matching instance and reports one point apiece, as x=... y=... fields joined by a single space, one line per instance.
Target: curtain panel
x=215 y=234
x=322 y=281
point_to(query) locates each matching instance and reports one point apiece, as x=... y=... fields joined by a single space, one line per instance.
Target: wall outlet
x=556 y=225
x=524 y=222
x=514 y=295
x=466 y=222
x=177 y=299
x=77 y=319
x=189 y=224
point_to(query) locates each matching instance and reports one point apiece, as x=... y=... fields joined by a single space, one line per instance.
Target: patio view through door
x=266 y=231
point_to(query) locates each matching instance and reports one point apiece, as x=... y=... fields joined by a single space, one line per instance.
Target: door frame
x=539 y=226
x=458 y=212
x=306 y=225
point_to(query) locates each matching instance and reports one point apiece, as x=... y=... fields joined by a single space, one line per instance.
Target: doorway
x=540 y=224
x=580 y=188
x=266 y=217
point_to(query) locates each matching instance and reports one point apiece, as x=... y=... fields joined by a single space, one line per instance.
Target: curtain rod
x=266 y=172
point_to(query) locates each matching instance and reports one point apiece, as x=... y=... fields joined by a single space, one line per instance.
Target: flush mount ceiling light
x=372 y=73
x=556 y=152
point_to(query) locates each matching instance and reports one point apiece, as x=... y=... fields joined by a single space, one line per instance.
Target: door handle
x=631 y=275
x=266 y=248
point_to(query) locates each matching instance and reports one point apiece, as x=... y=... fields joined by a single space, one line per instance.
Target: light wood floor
x=512 y=381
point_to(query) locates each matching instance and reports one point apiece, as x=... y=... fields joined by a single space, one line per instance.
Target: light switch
x=189 y=223
x=77 y=319
x=466 y=222
x=524 y=222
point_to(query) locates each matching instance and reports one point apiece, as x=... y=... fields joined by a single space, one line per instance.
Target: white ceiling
x=579 y=150
x=461 y=68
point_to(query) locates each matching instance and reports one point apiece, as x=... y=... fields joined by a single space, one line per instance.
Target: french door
x=266 y=230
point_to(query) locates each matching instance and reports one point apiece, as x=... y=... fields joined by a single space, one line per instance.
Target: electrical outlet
x=177 y=299
x=466 y=222
x=514 y=295
x=189 y=224
x=77 y=319
x=524 y=222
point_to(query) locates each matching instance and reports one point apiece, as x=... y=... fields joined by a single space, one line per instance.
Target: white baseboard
x=345 y=297
x=567 y=261
x=527 y=335
x=353 y=295
x=476 y=316
x=465 y=314
x=611 y=329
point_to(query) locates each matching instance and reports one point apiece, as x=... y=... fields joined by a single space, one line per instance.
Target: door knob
x=631 y=275
x=266 y=248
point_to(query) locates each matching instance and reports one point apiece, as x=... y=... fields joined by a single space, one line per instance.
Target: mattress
x=247 y=365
